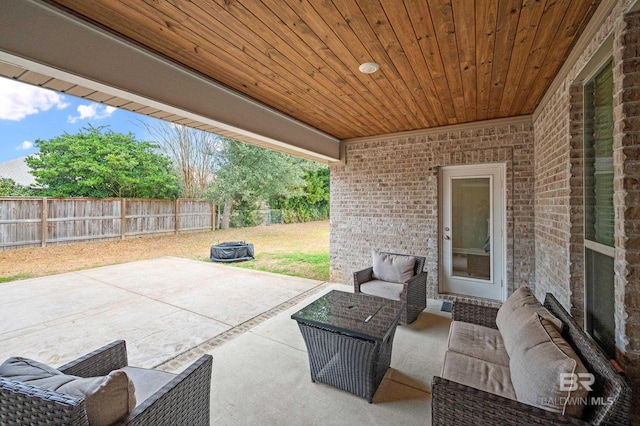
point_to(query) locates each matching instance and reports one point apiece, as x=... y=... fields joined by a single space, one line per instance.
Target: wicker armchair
x=413 y=295
x=184 y=400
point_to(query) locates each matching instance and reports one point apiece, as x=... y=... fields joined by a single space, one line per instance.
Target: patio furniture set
x=349 y=336
x=524 y=363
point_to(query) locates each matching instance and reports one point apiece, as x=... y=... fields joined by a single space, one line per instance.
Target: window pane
x=599 y=158
x=599 y=220
x=600 y=302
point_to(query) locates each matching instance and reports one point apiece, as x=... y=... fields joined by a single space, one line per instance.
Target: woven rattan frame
x=349 y=363
x=456 y=404
x=183 y=401
x=414 y=293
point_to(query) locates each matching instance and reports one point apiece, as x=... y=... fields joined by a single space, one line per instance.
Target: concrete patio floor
x=172 y=310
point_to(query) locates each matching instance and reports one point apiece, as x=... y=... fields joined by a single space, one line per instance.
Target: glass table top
x=354 y=314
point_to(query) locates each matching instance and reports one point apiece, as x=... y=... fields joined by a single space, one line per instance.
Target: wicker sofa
x=160 y=398
x=455 y=402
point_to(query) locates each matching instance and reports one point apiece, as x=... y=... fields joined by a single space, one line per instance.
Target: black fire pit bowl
x=232 y=251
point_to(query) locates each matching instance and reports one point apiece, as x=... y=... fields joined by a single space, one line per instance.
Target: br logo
x=571 y=381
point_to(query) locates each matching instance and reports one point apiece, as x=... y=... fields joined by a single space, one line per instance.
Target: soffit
x=443 y=62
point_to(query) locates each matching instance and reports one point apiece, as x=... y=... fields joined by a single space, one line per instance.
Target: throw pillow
x=516 y=311
x=394 y=268
x=545 y=370
x=107 y=398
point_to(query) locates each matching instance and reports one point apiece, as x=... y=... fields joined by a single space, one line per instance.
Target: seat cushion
x=516 y=311
x=107 y=398
x=478 y=341
x=147 y=382
x=545 y=369
x=478 y=374
x=385 y=289
x=396 y=268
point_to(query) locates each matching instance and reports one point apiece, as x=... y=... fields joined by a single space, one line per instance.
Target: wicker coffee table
x=349 y=338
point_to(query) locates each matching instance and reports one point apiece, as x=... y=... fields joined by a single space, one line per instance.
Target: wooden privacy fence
x=36 y=221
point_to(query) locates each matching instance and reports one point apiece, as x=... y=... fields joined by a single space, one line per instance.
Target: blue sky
x=28 y=113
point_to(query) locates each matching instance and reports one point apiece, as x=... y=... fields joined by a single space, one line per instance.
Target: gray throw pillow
x=545 y=370
x=107 y=398
x=516 y=311
x=395 y=268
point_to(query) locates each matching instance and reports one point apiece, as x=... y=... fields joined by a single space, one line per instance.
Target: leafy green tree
x=97 y=162
x=9 y=188
x=247 y=174
x=313 y=203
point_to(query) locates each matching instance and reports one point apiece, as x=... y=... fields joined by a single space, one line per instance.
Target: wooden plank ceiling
x=441 y=62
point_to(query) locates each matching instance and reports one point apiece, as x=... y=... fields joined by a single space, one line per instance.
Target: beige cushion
x=539 y=362
x=107 y=398
x=516 y=311
x=478 y=374
x=385 y=289
x=393 y=267
x=478 y=341
x=147 y=382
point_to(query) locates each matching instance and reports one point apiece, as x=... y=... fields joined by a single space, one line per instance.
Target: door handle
x=446 y=237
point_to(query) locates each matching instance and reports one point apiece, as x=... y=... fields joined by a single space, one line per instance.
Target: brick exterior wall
x=385 y=196
x=626 y=202
x=559 y=213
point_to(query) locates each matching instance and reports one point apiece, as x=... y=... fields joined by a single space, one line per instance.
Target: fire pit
x=232 y=251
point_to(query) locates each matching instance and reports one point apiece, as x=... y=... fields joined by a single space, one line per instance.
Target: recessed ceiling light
x=369 y=67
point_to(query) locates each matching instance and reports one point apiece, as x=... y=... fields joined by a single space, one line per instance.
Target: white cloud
x=18 y=100
x=92 y=112
x=24 y=146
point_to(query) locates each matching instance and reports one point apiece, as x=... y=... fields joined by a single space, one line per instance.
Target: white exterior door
x=472 y=237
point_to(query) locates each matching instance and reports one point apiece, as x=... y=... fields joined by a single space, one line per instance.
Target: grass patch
x=14 y=278
x=297 y=264
x=270 y=242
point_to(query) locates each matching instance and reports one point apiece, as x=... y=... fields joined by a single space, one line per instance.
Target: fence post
x=123 y=218
x=45 y=214
x=177 y=212
x=213 y=217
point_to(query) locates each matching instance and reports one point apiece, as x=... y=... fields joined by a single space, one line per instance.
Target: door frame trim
x=502 y=166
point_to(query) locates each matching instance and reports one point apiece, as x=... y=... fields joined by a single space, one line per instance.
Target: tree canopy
x=9 y=188
x=97 y=162
x=193 y=152
x=312 y=203
x=248 y=174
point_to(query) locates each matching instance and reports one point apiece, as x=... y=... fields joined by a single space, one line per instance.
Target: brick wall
x=385 y=196
x=626 y=202
x=559 y=223
x=552 y=175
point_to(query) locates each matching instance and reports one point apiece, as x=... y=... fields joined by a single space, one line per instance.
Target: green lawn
x=298 y=264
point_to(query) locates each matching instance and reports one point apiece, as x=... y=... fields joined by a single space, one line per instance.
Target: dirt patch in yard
x=269 y=242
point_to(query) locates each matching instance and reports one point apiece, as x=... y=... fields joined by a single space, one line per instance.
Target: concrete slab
x=262 y=376
x=161 y=307
x=171 y=310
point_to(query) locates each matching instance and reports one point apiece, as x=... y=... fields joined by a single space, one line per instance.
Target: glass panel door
x=470 y=231
x=472 y=203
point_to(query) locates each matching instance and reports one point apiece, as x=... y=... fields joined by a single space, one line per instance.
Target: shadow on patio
x=172 y=310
